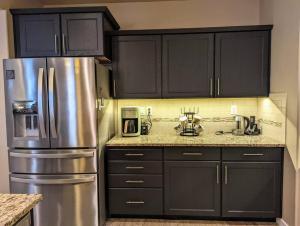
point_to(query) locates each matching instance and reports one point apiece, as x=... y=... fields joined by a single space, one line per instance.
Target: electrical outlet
x=143 y=111
x=148 y=110
x=233 y=110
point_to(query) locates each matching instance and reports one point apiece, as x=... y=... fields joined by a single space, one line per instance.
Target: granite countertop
x=14 y=206
x=228 y=140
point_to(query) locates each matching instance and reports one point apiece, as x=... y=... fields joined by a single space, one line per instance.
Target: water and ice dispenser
x=25 y=119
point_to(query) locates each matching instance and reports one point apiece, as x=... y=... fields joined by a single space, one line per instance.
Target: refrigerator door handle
x=41 y=103
x=51 y=103
x=53 y=156
x=88 y=179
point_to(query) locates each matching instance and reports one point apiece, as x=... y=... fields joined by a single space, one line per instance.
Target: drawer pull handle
x=192 y=153
x=134 y=181
x=135 y=167
x=132 y=154
x=135 y=202
x=259 y=154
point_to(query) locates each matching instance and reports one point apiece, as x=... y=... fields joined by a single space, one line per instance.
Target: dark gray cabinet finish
x=188 y=61
x=82 y=34
x=251 y=189
x=137 y=66
x=228 y=182
x=242 y=64
x=73 y=31
x=37 y=35
x=192 y=188
x=135 y=201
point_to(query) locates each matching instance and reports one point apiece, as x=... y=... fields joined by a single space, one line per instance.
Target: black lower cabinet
x=135 y=201
x=251 y=189
x=192 y=188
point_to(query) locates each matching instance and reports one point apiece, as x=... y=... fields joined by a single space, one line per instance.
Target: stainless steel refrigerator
x=59 y=116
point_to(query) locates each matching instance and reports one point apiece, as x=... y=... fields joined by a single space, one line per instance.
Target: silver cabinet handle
x=135 y=202
x=250 y=154
x=64 y=43
x=211 y=87
x=53 y=181
x=218 y=86
x=51 y=103
x=218 y=177
x=134 y=181
x=52 y=156
x=55 y=43
x=134 y=154
x=192 y=153
x=41 y=103
x=226 y=175
x=115 y=89
x=134 y=167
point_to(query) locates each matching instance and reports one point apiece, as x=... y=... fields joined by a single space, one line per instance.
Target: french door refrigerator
x=53 y=107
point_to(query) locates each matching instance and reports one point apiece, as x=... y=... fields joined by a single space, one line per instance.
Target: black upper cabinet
x=192 y=188
x=242 y=64
x=188 y=61
x=137 y=66
x=82 y=33
x=37 y=35
x=251 y=189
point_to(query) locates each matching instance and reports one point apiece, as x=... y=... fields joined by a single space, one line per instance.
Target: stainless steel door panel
x=68 y=200
x=53 y=161
x=26 y=83
x=72 y=102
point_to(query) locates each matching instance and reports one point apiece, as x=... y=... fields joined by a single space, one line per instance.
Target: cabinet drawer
x=252 y=154
x=135 y=167
x=192 y=153
x=135 y=201
x=134 y=181
x=134 y=154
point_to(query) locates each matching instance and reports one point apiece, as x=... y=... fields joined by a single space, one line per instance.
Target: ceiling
x=67 y=2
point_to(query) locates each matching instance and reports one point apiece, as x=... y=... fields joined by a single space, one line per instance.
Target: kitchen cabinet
x=242 y=64
x=192 y=188
x=251 y=189
x=37 y=35
x=218 y=182
x=188 y=65
x=252 y=181
x=200 y=62
x=137 y=66
x=135 y=181
x=77 y=27
x=49 y=32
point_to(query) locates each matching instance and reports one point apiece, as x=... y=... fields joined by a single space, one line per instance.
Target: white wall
x=285 y=15
x=3 y=150
x=180 y=14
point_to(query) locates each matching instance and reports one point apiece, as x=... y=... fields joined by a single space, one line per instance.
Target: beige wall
x=6 y=4
x=284 y=78
x=3 y=149
x=183 y=14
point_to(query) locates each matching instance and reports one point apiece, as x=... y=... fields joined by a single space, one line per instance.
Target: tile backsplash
x=216 y=113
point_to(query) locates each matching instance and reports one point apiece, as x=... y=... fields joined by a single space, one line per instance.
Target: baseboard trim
x=281 y=222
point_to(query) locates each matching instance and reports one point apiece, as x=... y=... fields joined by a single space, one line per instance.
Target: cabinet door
x=137 y=66
x=192 y=188
x=251 y=189
x=242 y=64
x=82 y=34
x=37 y=35
x=188 y=65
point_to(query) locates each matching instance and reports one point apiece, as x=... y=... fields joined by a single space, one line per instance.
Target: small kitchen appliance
x=130 y=121
x=242 y=124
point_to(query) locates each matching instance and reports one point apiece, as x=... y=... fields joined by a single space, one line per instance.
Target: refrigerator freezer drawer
x=53 y=161
x=67 y=199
